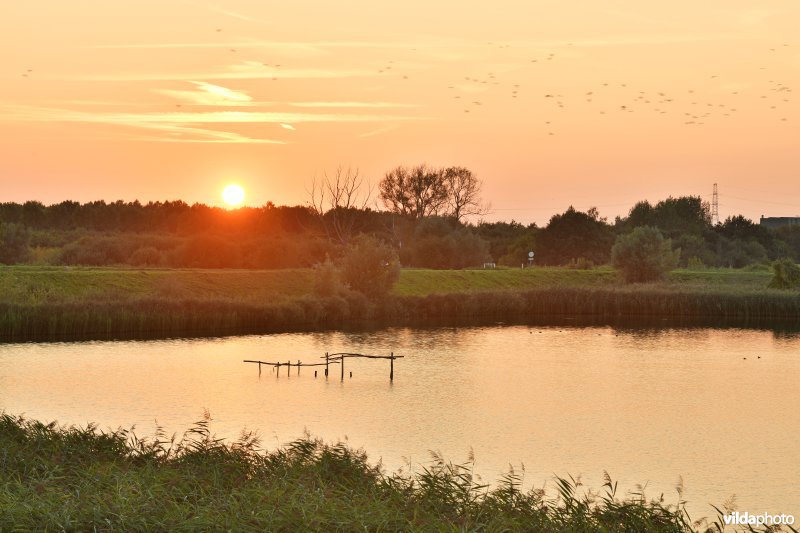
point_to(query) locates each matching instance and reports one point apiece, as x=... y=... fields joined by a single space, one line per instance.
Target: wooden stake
x=288 y=368
x=259 y=369
x=391 y=367
x=341 y=362
x=326 y=364
x=298 y=367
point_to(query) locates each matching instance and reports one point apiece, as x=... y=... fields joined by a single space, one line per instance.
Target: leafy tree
x=791 y=236
x=673 y=216
x=370 y=266
x=786 y=275
x=644 y=255
x=14 y=240
x=444 y=243
x=574 y=234
x=419 y=191
x=737 y=253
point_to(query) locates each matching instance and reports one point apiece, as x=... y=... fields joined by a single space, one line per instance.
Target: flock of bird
x=603 y=99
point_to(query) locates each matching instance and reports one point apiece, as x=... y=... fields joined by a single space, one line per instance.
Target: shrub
x=14 y=240
x=644 y=255
x=327 y=281
x=695 y=263
x=145 y=256
x=580 y=264
x=786 y=275
x=370 y=266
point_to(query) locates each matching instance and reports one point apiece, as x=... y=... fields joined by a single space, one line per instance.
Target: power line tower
x=715 y=206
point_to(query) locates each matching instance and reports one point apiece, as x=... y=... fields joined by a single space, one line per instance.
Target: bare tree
x=336 y=200
x=419 y=191
x=463 y=193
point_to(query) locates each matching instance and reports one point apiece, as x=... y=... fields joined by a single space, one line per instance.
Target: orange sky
x=167 y=99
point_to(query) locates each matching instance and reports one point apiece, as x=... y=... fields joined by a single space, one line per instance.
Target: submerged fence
x=330 y=359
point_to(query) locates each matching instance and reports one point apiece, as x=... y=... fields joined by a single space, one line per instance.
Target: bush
x=145 y=256
x=369 y=266
x=14 y=239
x=580 y=264
x=786 y=275
x=695 y=263
x=327 y=281
x=644 y=255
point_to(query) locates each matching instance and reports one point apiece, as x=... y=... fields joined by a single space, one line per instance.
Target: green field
x=43 y=285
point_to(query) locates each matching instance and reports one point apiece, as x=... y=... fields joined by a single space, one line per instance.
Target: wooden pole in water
x=341 y=363
x=259 y=369
x=288 y=368
x=326 y=364
x=391 y=366
x=278 y=370
x=298 y=367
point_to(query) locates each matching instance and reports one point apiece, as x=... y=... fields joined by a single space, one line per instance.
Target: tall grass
x=71 y=478
x=167 y=317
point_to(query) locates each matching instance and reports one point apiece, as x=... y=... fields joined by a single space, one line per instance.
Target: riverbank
x=86 y=303
x=69 y=478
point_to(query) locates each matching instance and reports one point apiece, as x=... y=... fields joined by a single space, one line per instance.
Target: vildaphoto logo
x=764 y=519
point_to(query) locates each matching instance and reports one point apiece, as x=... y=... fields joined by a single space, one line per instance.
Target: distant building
x=777 y=222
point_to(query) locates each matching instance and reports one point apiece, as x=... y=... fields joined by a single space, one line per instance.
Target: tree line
x=424 y=216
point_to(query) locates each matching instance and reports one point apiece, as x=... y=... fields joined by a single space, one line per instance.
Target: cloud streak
x=209 y=94
x=192 y=126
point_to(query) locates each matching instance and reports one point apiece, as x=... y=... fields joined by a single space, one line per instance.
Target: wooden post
x=298 y=367
x=326 y=364
x=288 y=368
x=315 y=374
x=259 y=369
x=391 y=366
x=278 y=370
x=341 y=363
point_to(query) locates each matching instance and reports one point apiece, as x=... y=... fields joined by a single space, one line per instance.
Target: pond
x=718 y=408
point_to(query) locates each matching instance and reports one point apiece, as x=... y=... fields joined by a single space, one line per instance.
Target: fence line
x=330 y=359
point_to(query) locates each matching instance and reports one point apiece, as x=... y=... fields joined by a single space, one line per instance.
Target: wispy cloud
x=209 y=94
x=192 y=126
x=288 y=127
x=385 y=129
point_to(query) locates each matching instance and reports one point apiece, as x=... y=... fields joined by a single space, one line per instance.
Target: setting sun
x=233 y=195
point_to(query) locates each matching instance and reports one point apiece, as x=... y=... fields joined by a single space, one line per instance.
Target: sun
x=233 y=195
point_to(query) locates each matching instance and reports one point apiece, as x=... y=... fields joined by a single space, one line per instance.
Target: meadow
x=38 y=303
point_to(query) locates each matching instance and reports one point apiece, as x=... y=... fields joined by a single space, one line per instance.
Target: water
x=649 y=406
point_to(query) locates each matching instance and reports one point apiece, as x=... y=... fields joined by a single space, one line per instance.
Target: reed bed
x=55 y=304
x=157 y=317
x=71 y=478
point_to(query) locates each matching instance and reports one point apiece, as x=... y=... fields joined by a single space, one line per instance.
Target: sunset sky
x=551 y=103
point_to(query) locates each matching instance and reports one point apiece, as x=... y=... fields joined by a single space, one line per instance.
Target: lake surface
x=647 y=405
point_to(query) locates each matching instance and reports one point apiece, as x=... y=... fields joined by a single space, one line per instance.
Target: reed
x=71 y=478
x=48 y=304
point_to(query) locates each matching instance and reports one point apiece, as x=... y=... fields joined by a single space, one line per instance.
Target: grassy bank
x=58 y=478
x=48 y=303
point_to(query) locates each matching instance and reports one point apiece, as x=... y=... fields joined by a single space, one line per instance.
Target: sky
x=551 y=103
